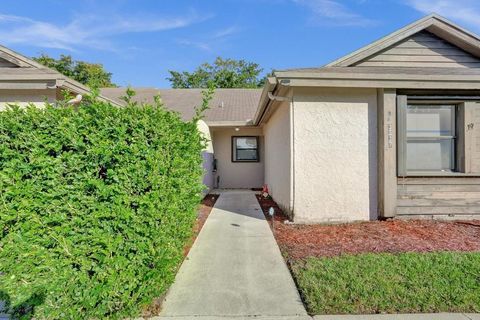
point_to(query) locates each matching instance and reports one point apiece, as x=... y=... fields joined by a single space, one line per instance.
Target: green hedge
x=96 y=206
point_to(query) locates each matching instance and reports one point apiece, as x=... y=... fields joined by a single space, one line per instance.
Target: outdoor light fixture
x=237 y=129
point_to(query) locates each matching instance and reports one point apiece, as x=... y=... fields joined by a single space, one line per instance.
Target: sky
x=139 y=41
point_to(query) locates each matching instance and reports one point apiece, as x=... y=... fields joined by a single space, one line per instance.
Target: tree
x=223 y=73
x=90 y=74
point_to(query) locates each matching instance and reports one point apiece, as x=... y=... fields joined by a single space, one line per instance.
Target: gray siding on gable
x=422 y=50
x=7 y=64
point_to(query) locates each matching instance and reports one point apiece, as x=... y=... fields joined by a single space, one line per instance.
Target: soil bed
x=392 y=236
x=204 y=210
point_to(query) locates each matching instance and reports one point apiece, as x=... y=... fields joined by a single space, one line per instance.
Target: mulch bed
x=393 y=236
x=204 y=210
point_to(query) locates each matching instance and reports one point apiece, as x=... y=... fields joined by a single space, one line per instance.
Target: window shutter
x=472 y=136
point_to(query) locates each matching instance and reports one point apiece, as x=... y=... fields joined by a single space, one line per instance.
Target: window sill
x=439 y=174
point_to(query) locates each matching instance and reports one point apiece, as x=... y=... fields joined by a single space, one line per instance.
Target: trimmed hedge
x=96 y=206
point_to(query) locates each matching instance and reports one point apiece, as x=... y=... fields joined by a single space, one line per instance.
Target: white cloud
x=85 y=31
x=332 y=12
x=226 y=32
x=463 y=11
x=197 y=44
x=211 y=41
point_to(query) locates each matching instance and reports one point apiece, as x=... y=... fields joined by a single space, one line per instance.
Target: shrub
x=96 y=205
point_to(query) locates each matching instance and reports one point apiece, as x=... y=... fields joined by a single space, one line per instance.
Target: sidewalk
x=235 y=268
x=418 y=316
x=423 y=316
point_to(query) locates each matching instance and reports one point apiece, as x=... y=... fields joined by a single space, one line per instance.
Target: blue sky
x=139 y=40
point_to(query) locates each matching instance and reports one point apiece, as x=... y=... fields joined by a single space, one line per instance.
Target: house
x=391 y=130
x=24 y=81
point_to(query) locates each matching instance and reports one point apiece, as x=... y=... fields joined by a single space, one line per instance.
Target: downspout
x=292 y=159
x=273 y=97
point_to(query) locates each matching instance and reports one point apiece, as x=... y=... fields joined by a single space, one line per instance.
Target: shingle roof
x=227 y=105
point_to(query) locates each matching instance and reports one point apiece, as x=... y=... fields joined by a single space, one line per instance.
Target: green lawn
x=377 y=283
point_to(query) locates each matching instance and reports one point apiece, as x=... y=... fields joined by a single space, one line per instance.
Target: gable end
x=7 y=64
x=422 y=49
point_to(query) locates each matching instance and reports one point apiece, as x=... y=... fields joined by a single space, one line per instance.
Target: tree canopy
x=90 y=74
x=223 y=73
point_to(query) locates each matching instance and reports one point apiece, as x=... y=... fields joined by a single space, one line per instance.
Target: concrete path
x=417 y=316
x=234 y=268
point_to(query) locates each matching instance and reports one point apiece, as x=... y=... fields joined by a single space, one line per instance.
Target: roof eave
x=269 y=86
x=349 y=80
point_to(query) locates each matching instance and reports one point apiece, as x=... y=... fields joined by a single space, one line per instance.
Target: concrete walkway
x=416 y=316
x=234 y=268
x=419 y=316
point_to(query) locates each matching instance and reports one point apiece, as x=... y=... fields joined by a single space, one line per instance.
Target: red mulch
x=301 y=241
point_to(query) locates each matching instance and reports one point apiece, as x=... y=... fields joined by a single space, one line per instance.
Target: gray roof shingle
x=227 y=104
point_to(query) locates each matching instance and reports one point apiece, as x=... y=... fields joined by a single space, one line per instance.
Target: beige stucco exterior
x=26 y=97
x=335 y=157
x=236 y=174
x=278 y=153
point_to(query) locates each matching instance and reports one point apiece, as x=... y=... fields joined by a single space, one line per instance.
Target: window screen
x=430 y=138
x=245 y=149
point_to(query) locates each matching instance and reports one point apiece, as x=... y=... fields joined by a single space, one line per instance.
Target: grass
x=390 y=283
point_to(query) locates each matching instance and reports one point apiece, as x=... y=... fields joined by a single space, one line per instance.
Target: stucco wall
x=23 y=97
x=277 y=155
x=335 y=157
x=236 y=174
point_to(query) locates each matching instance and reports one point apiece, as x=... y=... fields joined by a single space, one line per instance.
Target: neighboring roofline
x=19 y=59
x=433 y=23
x=61 y=81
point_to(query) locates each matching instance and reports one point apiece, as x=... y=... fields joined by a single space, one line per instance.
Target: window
x=245 y=149
x=438 y=135
x=430 y=138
